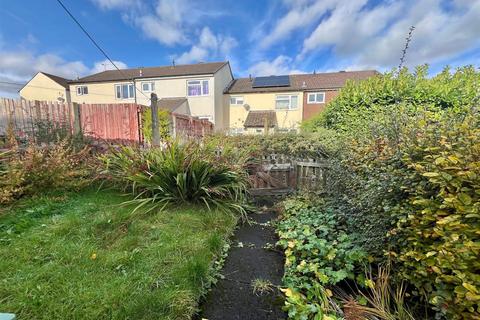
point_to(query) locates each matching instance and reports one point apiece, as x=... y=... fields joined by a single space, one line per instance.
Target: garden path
x=251 y=257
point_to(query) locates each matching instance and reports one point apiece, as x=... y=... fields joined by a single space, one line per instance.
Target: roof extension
x=304 y=82
x=171 y=104
x=153 y=72
x=258 y=119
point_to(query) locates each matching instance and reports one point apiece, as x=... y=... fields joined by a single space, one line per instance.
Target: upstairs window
x=148 y=86
x=197 y=88
x=124 y=91
x=238 y=100
x=316 y=97
x=81 y=90
x=286 y=102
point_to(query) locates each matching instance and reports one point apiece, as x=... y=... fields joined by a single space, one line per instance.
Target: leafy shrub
x=38 y=169
x=319 y=253
x=163 y=124
x=438 y=235
x=303 y=145
x=406 y=181
x=180 y=173
x=352 y=110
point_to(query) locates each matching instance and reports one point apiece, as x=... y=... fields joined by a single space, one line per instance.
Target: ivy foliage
x=319 y=253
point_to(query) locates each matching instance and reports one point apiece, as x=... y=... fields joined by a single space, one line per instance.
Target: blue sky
x=257 y=37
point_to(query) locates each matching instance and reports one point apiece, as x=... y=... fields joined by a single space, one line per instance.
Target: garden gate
x=277 y=174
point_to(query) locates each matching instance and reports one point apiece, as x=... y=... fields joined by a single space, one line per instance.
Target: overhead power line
x=97 y=45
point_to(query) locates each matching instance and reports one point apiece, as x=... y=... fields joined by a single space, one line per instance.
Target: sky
x=258 y=37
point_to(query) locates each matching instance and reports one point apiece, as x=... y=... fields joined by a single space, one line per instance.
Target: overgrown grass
x=85 y=257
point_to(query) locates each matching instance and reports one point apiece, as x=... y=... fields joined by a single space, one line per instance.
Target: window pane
x=232 y=100
x=79 y=90
x=282 y=103
x=85 y=90
x=130 y=91
x=240 y=100
x=145 y=87
x=194 y=89
x=118 y=92
x=294 y=102
x=311 y=97
x=124 y=91
x=205 y=87
x=320 y=97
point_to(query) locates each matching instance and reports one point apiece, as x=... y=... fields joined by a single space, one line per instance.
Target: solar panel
x=271 y=81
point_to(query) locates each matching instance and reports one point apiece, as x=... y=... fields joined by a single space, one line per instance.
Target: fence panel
x=26 y=118
x=114 y=122
x=119 y=122
x=277 y=174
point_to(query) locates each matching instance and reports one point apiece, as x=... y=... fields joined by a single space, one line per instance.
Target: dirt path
x=251 y=258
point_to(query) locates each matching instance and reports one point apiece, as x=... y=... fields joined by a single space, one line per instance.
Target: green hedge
x=406 y=180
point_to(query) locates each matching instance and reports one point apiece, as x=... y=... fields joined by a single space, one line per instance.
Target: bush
x=319 y=253
x=163 y=124
x=180 y=173
x=38 y=169
x=304 y=145
x=438 y=223
x=406 y=182
x=352 y=110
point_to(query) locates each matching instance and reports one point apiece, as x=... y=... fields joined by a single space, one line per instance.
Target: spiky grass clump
x=177 y=174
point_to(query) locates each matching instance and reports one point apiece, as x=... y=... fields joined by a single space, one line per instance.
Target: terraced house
x=280 y=103
x=193 y=89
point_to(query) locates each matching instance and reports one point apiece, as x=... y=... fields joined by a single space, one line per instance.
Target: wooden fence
x=23 y=117
x=112 y=122
x=188 y=126
x=278 y=174
x=120 y=122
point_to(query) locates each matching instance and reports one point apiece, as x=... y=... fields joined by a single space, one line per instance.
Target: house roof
x=61 y=81
x=171 y=104
x=256 y=119
x=153 y=72
x=304 y=82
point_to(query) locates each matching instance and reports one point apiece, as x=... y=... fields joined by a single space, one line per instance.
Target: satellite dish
x=247 y=107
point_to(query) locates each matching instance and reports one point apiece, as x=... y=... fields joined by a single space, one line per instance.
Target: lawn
x=82 y=256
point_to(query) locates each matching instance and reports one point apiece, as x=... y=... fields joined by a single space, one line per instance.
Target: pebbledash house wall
x=312 y=109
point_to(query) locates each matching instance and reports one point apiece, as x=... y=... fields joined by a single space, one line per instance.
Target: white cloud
x=301 y=14
x=165 y=32
x=116 y=4
x=278 y=66
x=375 y=36
x=208 y=46
x=107 y=65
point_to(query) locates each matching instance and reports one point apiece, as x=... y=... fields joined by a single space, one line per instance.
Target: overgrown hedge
x=406 y=180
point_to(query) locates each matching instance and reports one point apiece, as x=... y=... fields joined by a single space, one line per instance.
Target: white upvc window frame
x=315 y=95
x=236 y=100
x=130 y=91
x=82 y=90
x=286 y=97
x=201 y=83
x=150 y=85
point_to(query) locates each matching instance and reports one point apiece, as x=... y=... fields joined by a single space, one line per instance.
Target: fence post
x=77 y=126
x=155 y=130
